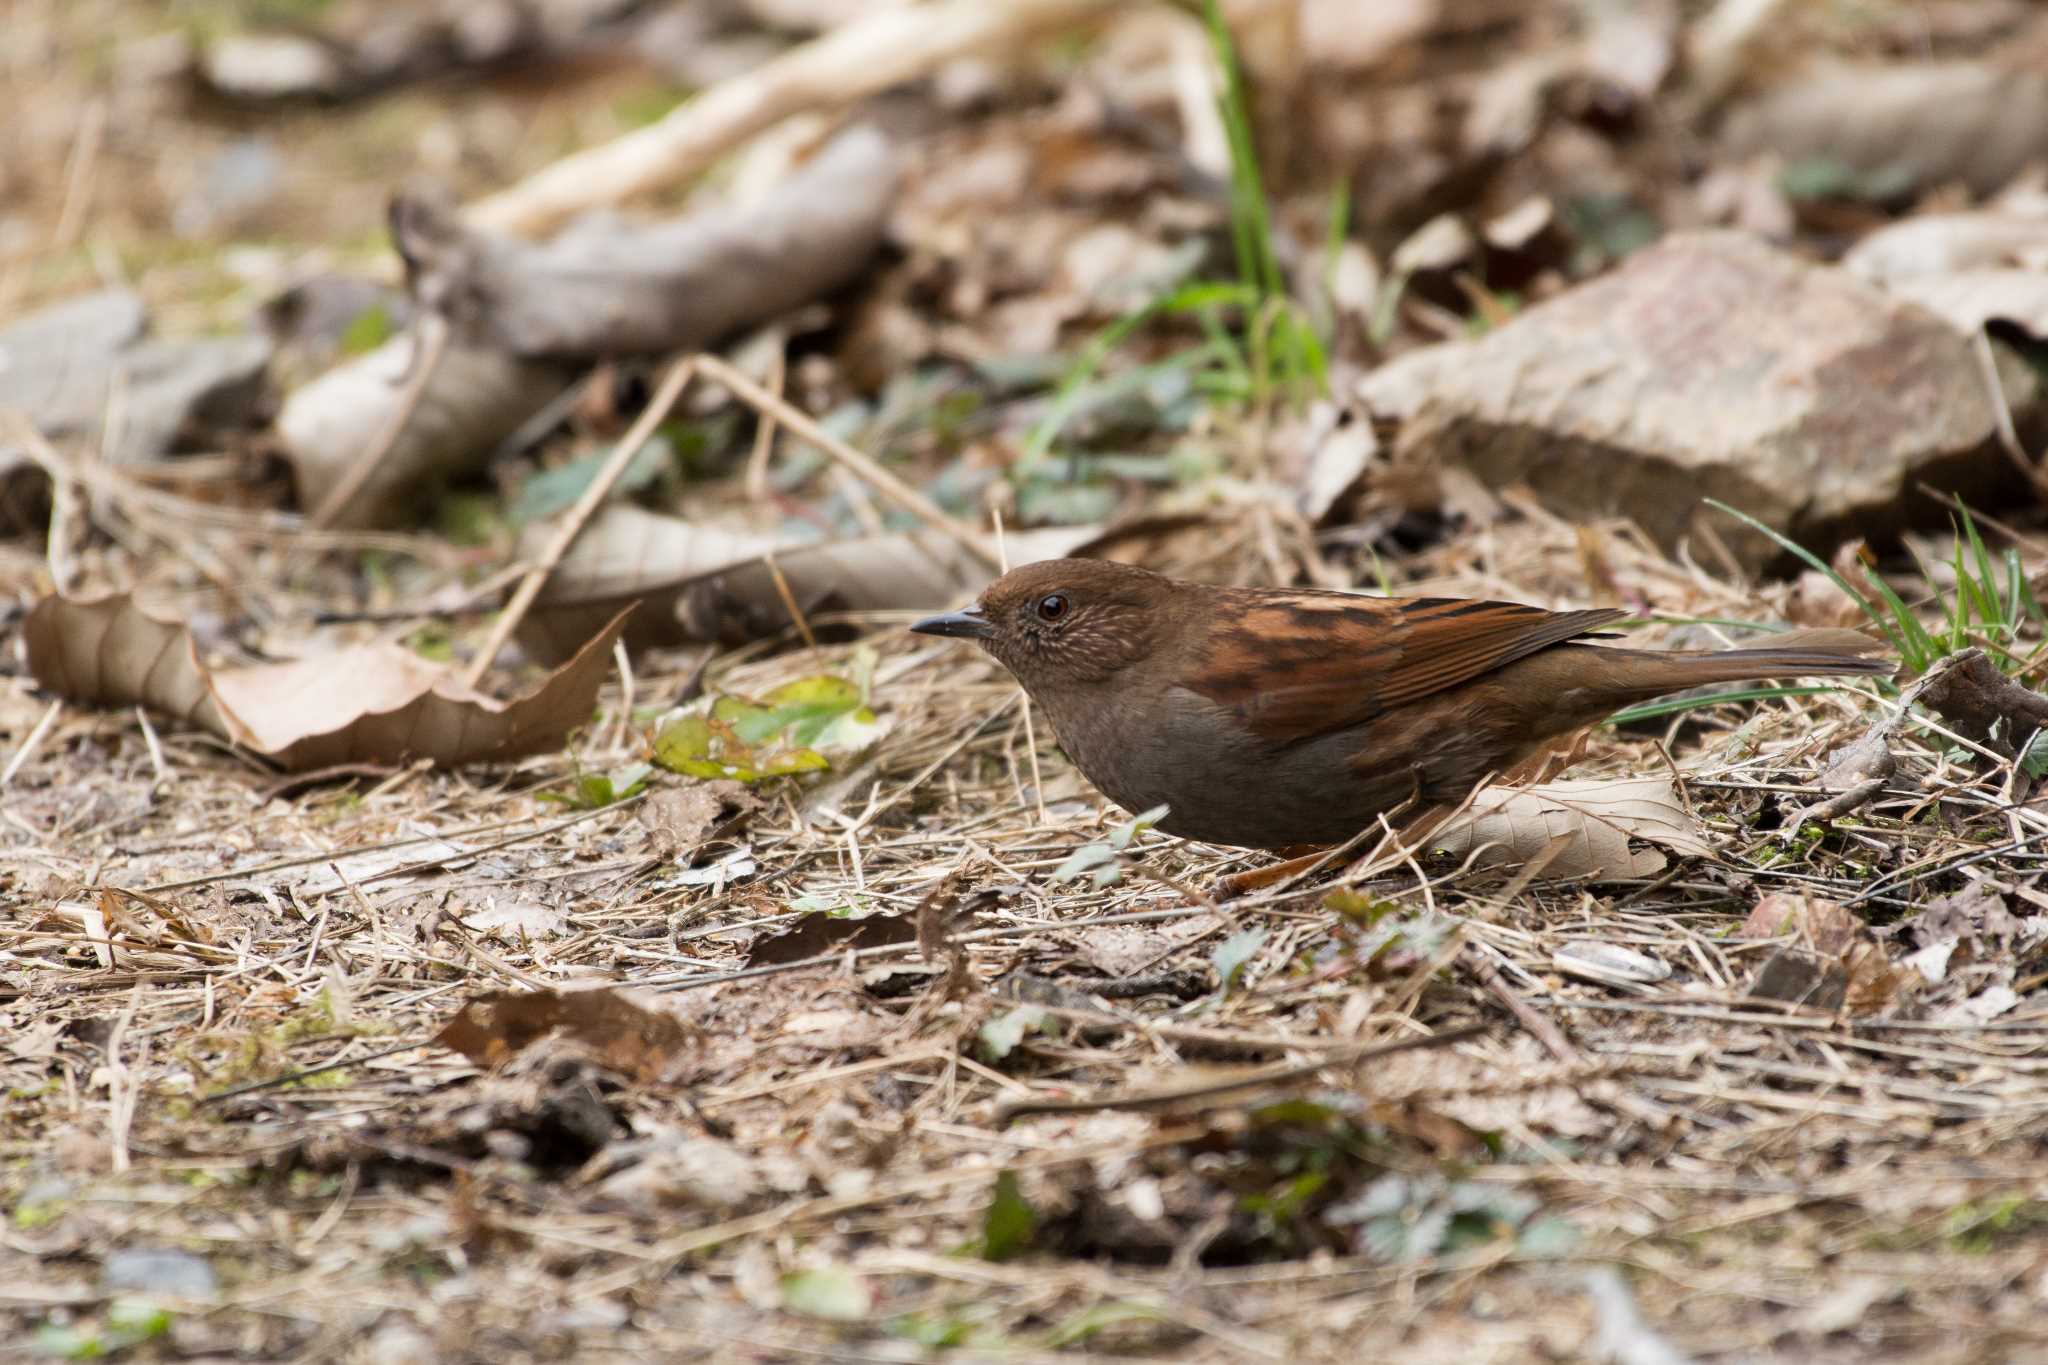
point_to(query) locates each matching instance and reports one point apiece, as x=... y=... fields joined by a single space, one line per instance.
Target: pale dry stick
x=872 y=54
x=764 y=434
x=636 y=436
x=277 y=527
x=32 y=743
x=1030 y=730
x=156 y=750
x=122 y=1087
x=1539 y=1026
x=1167 y=1096
x=2001 y=412
x=430 y=344
x=623 y=661
x=85 y=150
x=1192 y=1033
x=330 y=1217
x=878 y=478
x=307 y=860
x=783 y=591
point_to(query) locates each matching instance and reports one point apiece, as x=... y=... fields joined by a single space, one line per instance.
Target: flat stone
x=84 y=368
x=1712 y=365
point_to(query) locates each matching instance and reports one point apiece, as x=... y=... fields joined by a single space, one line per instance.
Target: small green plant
x=1258 y=342
x=126 y=1322
x=1983 y=610
x=1102 y=861
x=1981 y=1228
x=593 y=791
x=1280 y=335
x=1008 y=1223
x=798 y=728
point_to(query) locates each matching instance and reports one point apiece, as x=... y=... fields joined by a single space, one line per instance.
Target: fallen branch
x=525 y=318
x=850 y=63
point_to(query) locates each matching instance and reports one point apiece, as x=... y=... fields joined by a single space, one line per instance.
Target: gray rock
x=55 y=364
x=1714 y=366
x=216 y=383
x=77 y=364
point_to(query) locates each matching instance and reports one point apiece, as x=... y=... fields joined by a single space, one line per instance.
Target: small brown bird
x=1269 y=717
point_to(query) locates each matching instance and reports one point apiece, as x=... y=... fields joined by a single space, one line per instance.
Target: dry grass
x=1768 y=1177
x=218 y=989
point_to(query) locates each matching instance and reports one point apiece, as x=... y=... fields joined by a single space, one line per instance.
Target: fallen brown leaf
x=1830 y=962
x=818 y=933
x=1595 y=820
x=376 y=703
x=625 y=1036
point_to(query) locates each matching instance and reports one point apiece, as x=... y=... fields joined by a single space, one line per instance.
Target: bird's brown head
x=1064 y=620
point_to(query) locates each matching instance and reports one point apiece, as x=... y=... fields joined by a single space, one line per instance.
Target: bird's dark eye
x=1051 y=607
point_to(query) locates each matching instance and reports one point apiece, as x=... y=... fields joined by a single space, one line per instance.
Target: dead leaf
x=1968 y=299
x=1610 y=964
x=1821 y=925
x=682 y=817
x=1947 y=244
x=518 y=919
x=1830 y=962
x=1595 y=819
x=1976 y=914
x=818 y=933
x=1919 y=123
x=371 y=704
x=625 y=1036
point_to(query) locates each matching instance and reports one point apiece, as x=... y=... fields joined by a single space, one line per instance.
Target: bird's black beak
x=966 y=624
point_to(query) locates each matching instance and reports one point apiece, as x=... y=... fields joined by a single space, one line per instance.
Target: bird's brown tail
x=1657 y=673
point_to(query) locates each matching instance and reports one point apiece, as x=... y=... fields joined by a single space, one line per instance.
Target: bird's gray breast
x=1175 y=749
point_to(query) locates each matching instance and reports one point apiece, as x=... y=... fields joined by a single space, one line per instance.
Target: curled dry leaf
x=1949 y=243
x=369 y=704
x=625 y=1036
x=1968 y=299
x=1970 y=268
x=1608 y=963
x=1584 y=827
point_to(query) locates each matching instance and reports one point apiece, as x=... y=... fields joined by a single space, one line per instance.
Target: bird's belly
x=1223 y=786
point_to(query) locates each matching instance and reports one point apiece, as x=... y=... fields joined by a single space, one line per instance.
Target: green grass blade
x=2022 y=592
x=1671 y=706
x=1818 y=565
x=1917 y=648
x=1987 y=577
x=1069 y=397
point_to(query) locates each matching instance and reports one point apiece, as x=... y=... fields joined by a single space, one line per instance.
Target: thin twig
x=1263 y=1076
x=883 y=482
x=430 y=341
x=572 y=525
